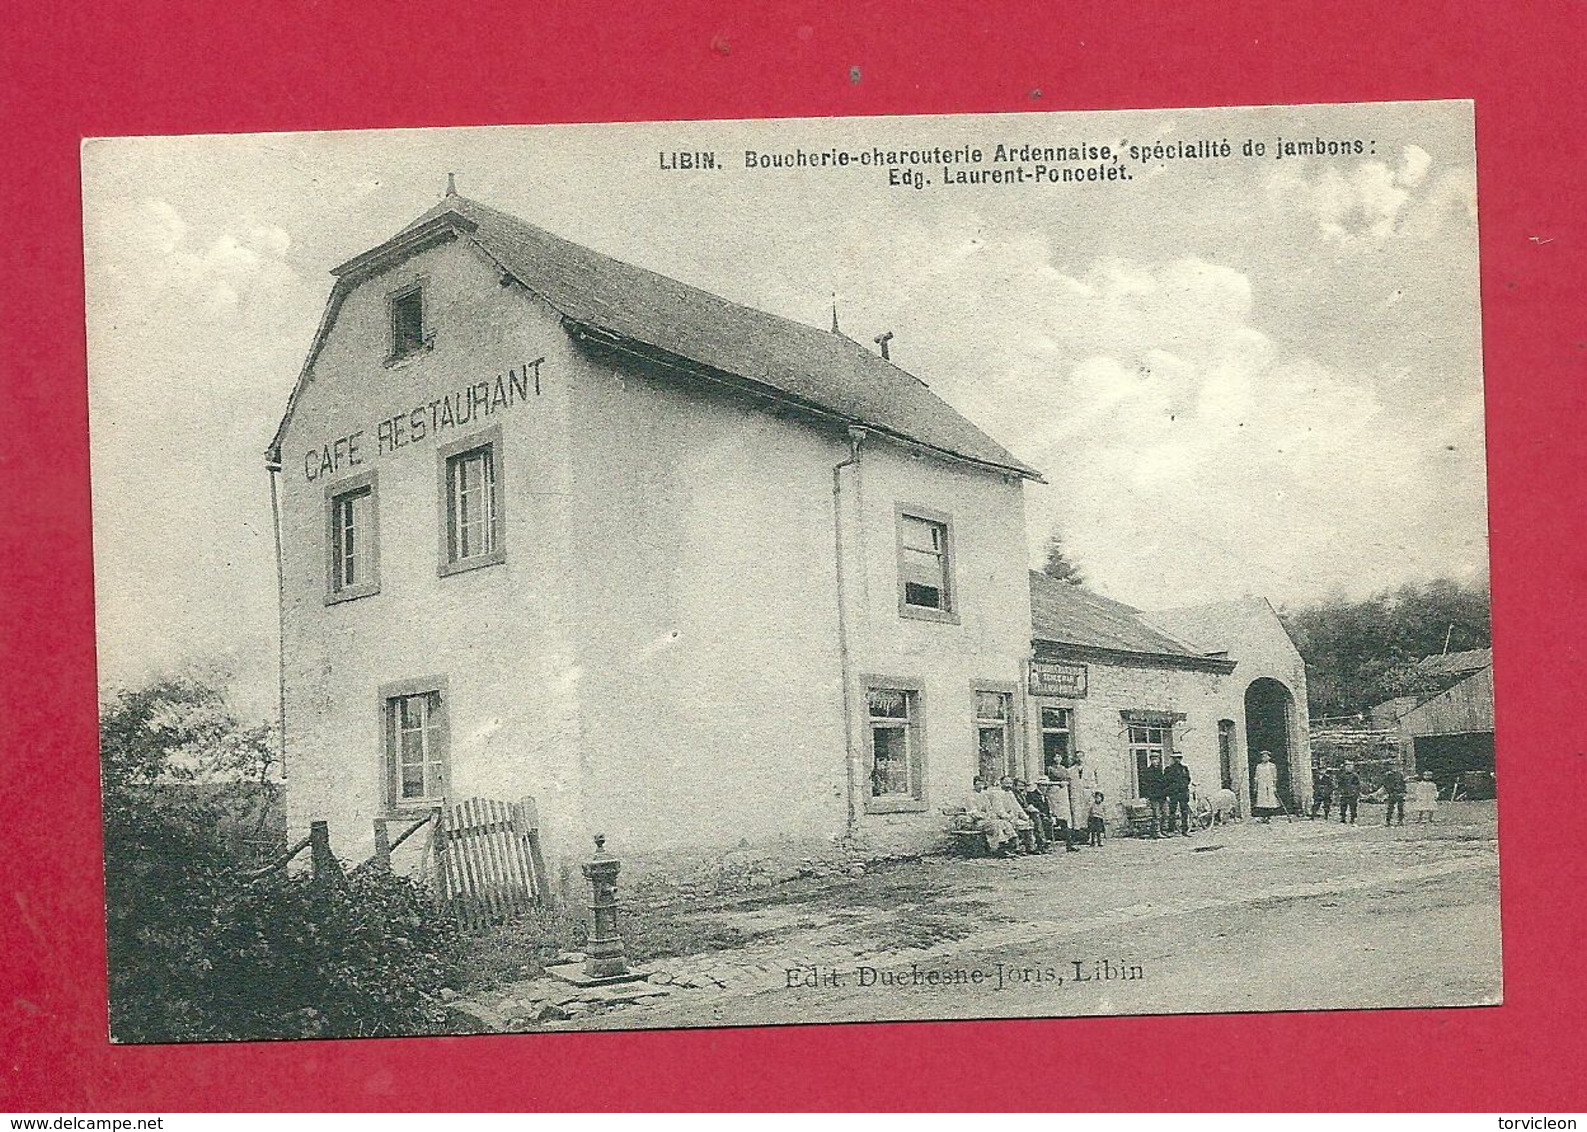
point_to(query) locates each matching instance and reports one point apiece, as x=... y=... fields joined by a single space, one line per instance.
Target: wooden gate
x=487 y=859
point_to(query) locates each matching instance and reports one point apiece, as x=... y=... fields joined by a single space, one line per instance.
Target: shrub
x=196 y=953
x=297 y=958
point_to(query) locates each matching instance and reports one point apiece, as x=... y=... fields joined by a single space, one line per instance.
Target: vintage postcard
x=738 y=573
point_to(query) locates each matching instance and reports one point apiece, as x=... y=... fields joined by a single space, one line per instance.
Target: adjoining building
x=685 y=573
x=1220 y=683
x=1267 y=698
x=1448 y=729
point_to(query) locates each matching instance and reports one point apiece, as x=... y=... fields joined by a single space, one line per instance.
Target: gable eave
x=362 y=267
x=603 y=336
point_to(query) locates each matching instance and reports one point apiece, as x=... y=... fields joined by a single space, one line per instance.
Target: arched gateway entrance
x=1269 y=726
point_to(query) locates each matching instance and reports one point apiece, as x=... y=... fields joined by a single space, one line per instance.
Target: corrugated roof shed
x=809 y=366
x=1465 y=707
x=1456 y=663
x=1072 y=615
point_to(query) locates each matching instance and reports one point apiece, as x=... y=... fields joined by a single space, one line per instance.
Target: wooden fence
x=488 y=865
x=487 y=860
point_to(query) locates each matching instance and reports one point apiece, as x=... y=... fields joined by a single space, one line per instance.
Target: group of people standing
x=1345 y=785
x=1166 y=791
x=1065 y=805
x=1016 y=816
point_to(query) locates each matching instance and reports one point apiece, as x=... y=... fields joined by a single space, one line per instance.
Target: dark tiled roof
x=1071 y=615
x=1456 y=663
x=818 y=368
x=1205 y=627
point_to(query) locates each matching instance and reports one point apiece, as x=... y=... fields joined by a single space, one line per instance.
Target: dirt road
x=1296 y=915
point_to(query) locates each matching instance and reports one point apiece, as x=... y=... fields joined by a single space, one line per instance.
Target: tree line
x=1360 y=653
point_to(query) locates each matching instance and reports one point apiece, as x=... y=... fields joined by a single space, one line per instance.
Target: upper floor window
x=407 y=321
x=353 y=561
x=471 y=490
x=925 y=566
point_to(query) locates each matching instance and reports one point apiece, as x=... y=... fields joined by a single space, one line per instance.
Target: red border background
x=68 y=71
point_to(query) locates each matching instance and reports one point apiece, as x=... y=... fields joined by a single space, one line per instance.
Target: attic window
x=407 y=321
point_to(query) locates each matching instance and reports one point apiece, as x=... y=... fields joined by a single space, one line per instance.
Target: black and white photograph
x=725 y=573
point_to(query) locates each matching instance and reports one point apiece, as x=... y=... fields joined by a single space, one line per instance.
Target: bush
x=196 y=953
x=298 y=958
x=281 y=958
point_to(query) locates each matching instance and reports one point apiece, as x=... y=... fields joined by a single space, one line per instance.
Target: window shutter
x=440 y=736
x=393 y=757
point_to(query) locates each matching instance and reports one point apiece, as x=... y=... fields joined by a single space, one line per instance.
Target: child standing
x=1424 y=797
x=1096 y=827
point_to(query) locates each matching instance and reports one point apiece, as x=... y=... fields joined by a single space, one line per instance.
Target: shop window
x=1146 y=740
x=1057 y=737
x=407 y=322
x=416 y=740
x=894 y=748
x=925 y=567
x=353 y=558
x=994 y=735
x=471 y=492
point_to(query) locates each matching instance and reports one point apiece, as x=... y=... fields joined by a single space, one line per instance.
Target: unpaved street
x=1300 y=915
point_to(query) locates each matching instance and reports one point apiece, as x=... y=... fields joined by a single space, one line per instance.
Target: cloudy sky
x=1239 y=376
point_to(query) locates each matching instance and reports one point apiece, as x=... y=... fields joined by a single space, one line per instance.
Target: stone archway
x=1270 y=726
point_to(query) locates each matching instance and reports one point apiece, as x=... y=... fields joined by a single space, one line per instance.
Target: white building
x=686 y=573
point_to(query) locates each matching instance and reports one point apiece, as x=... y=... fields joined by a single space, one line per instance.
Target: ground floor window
x=416 y=740
x=1146 y=740
x=893 y=745
x=1226 y=753
x=994 y=735
x=1057 y=737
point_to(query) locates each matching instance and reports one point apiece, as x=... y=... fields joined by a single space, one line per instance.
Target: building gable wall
x=499 y=361
x=713 y=707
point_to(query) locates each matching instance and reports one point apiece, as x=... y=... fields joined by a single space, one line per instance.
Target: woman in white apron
x=1082 y=785
x=1057 y=790
x=1267 y=802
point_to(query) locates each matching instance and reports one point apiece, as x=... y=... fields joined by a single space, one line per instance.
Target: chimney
x=451 y=184
x=882 y=340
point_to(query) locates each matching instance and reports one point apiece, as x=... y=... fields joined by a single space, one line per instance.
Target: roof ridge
x=1130 y=626
x=802 y=326
x=598 y=291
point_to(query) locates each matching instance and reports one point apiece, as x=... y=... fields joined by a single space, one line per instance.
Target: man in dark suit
x=1176 y=783
x=1040 y=812
x=1394 y=787
x=1154 y=789
x=1348 y=786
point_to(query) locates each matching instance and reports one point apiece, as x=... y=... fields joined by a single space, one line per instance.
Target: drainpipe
x=845 y=661
x=273 y=466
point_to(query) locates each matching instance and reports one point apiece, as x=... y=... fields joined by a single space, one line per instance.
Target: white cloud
x=1414 y=163
x=1365 y=205
x=1190 y=456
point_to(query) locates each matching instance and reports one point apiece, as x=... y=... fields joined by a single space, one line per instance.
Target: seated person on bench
x=1007 y=805
x=978 y=813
